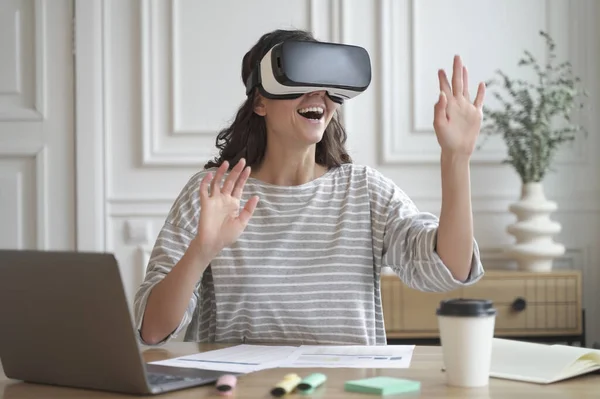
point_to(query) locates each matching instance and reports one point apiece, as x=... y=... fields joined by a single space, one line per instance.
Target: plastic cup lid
x=466 y=307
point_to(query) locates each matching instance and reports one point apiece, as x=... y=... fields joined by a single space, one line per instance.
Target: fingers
x=248 y=210
x=480 y=95
x=233 y=176
x=457 y=76
x=215 y=184
x=204 y=186
x=444 y=84
x=465 y=80
x=234 y=183
x=440 y=107
x=239 y=184
x=460 y=88
x=440 y=116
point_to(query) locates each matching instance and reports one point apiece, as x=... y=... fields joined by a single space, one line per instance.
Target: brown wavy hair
x=246 y=137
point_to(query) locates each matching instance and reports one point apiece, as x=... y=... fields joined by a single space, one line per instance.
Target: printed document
x=236 y=359
x=390 y=356
x=248 y=358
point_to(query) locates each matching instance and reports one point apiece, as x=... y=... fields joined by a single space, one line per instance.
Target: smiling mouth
x=312 y=113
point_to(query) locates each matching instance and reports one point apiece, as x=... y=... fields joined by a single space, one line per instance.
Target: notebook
x=540 y=363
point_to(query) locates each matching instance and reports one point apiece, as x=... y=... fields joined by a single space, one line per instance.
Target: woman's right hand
x=221 y=220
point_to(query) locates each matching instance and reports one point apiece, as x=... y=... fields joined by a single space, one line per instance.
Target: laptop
x=66 y=322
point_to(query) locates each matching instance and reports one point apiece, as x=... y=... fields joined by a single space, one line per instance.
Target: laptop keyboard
x=159 y=378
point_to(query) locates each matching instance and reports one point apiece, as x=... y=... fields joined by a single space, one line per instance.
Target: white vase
x=534 y=249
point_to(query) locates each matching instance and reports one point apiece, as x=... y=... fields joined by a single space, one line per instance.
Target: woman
x=300 y=262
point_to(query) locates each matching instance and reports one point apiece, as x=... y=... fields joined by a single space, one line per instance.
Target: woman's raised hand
x=221 y=220
x=457 y=120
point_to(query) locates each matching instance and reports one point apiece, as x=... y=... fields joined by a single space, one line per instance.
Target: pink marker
x=225 y=384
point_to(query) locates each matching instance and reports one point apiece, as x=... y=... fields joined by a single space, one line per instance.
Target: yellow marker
x=287 y=385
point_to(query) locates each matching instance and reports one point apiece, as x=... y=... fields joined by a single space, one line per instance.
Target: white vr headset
x=293 y=68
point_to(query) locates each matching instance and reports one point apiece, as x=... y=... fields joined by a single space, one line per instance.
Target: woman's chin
x=313 y=137
x=313 y=131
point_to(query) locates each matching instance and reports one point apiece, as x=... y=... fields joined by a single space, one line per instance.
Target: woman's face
x=302 y=120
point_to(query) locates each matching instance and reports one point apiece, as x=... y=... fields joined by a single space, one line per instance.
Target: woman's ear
x=259 y=105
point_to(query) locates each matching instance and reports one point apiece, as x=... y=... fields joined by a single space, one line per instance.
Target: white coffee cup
x=466 y=333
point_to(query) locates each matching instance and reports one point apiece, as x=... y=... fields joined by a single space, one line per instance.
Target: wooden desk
x=425 y=367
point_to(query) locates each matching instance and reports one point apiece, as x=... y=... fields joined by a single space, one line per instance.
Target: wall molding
x=496 y=258
x=41 y=178
x=499 y=204
x=574 y=258
x=92 y=82
x=401 y=141
x=157 y=72
x=177 y=127
x=41 y=61
x=38 y=112
x=159 y=206
x=165 y=140
x=38 y=152
x=143 y=254
x=139 y=207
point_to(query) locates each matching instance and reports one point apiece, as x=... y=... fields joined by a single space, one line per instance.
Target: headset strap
x=254 y=79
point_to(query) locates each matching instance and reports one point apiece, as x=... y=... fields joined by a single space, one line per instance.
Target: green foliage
x=528 y=123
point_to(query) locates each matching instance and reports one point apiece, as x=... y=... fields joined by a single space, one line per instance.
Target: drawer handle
x=519 y=304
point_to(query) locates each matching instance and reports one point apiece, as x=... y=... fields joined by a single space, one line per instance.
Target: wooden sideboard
x=533 y=306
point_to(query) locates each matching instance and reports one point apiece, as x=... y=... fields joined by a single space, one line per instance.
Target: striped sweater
x=306 y=270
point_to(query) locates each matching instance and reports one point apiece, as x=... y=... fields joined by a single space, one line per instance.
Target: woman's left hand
x=457 y=121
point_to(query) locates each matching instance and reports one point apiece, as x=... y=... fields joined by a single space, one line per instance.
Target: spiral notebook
x=541 y=363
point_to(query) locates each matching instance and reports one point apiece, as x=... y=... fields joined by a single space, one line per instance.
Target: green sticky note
x=382 y=385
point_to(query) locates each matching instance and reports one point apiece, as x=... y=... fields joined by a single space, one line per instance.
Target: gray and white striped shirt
x=306 y=270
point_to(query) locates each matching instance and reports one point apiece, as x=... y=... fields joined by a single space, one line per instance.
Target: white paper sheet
x=390 y=356
x=236 y=359
x=248 y=358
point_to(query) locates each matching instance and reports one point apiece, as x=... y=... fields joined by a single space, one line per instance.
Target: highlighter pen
x=225 y=384
x=311 y=382
x=287 y=385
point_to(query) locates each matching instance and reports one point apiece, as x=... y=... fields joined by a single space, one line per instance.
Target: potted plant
x=535 y=121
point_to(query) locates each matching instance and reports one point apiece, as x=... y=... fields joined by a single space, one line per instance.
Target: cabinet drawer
x=527 y=304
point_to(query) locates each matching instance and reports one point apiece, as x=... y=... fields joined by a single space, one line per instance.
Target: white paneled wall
x=37 y=193
x=163 y=76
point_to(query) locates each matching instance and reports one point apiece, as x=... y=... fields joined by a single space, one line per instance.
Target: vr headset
x=293 y=68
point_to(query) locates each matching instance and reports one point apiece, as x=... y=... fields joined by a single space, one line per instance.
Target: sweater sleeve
x=409 y=242
x=171 y=243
